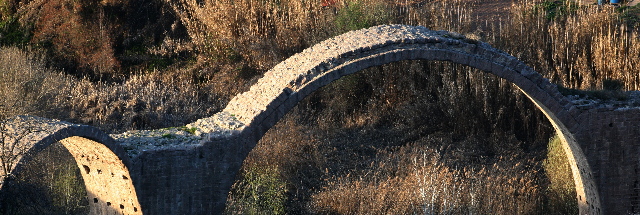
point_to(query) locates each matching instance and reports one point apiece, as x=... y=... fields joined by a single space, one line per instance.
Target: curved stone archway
x=103 y=164
x=289 y=82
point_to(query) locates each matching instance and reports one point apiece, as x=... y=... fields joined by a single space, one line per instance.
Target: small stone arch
x=289 y=82
x=103 y=164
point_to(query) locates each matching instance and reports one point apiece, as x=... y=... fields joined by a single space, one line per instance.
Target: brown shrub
x=414 y=180
x=26 y=85
x=103 y=40
x=77 y=32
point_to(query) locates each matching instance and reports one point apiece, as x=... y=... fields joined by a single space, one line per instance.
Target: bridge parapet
x=604 y=100
x=217 y=127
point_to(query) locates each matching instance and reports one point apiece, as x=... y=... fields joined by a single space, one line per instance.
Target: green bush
x=630 y=15
x=67 y=191
x=557 y=9
x=356 y=15
x=13 y=33
x=351 y=17
x=561 y=190
x=260 y=191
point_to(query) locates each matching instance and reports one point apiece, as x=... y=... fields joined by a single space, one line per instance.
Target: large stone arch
x=104 y=164
x=289 y=82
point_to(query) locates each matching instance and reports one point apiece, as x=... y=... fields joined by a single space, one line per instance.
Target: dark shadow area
x=50 y=184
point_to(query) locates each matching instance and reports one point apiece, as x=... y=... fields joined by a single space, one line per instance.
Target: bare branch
x=12 y=145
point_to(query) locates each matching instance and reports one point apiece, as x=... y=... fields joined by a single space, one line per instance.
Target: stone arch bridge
x=190 y=169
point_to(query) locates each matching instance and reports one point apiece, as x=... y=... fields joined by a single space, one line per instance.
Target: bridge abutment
x=610 y=139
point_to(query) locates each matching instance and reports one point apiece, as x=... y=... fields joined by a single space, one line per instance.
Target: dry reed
x=579 y=49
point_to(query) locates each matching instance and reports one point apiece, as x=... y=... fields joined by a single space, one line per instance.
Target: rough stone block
x=439 y=55
x=484 y=65
x=512 y=77
x=427 y=55
x=499 y=70
x=414 y=53
x=462 y=58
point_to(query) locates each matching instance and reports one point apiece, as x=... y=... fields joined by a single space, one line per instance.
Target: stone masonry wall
x=610 y=139
x=187 y=181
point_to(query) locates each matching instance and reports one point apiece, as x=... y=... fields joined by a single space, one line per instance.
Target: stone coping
x=217 y=127
x=622 y=100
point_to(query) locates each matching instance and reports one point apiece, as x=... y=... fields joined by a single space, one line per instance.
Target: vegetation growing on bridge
x=141 y=64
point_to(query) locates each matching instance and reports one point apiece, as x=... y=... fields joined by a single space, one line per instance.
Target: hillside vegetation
x=407 y=137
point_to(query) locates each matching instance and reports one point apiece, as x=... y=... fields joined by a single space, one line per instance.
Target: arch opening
x=397 y=43
x=381 y=129
x=93 y=156
x=50 y=183
x=100 y=180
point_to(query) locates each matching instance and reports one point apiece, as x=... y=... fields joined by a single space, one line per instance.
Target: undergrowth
x=262 y=191
x=52 y=175
x=561 y=191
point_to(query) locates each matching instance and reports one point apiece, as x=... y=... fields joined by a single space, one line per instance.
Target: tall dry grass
x=578 y=49
x=414 y=180
x=145 y=100
x=266 y=32
x=27 y=86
